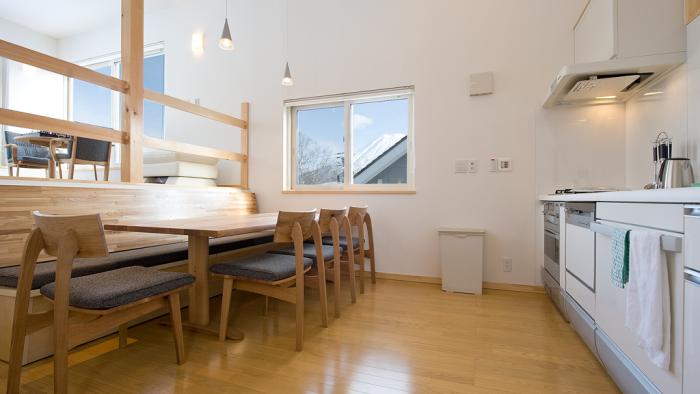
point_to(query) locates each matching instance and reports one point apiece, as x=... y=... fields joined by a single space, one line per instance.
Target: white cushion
x=153 y=156
x=181 y=168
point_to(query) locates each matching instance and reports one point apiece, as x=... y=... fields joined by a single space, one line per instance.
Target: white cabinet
x=610 y=300
x=691 y=362
x=609 y=29
x=462 y=258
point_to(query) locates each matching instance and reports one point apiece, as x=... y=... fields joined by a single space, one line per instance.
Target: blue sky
x=371 y=121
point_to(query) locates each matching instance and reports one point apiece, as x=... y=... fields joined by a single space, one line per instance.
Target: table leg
x=52 y=168
x=198 y=316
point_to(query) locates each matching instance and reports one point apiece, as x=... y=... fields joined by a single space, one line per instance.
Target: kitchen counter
x=681 y=195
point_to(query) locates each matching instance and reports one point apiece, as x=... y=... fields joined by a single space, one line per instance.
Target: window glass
x=320 y=145
x=91 y=103
x=154 y=79
x=380 y=142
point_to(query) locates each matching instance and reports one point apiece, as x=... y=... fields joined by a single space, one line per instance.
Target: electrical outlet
x=507 y=264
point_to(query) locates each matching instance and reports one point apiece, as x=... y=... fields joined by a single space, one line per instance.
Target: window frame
x=347 y=101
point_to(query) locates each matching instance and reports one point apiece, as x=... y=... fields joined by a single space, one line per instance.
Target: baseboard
x=437 y=280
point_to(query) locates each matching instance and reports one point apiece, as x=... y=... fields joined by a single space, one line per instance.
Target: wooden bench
x=113 y=202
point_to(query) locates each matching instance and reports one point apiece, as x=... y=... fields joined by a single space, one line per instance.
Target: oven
x=552 y=247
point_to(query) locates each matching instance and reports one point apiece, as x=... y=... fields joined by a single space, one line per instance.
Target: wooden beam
x=692 y=10
x=186 y=106
x=24 y=55
x=31 y=121
x=245 y=115
x=175 y=146
x=132 y=72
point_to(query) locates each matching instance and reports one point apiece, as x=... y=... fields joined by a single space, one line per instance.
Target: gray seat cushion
x=119 y=287
x=267 y=267
x=32 y=159
x=309 y=251
x=146 y=257
x=328 y=240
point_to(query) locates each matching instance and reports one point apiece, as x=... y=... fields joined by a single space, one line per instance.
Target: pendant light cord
x=286 y=29
x=226 y=9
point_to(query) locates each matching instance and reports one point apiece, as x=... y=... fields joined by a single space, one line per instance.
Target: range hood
x=612 y=81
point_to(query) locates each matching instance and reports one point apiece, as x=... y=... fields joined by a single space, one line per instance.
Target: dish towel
x=648 y=308
x=620 y=270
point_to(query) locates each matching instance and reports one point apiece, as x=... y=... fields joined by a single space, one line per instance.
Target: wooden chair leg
x=60 y=170
x=94 y=168
x=176 y=318
x=225 y=307
x=351 y=273
x=372 y=267
x=71 y=171
x=14 y=372
x=300 y=314
x=361 y=257
x=123 y=335
x=322 y=291
x=336 y=287
x=60 y=356
x=106 y=172
x=17 y=171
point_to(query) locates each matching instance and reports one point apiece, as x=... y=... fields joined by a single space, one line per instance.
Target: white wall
x=339 y=46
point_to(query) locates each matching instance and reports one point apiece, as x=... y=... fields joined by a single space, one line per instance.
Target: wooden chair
x=359 y=220
x=85 y=151
x=24 y=155
x=87 y=306
x=276 y=275
x=329 y=222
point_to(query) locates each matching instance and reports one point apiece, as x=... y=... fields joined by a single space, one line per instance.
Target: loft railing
x=131 y=136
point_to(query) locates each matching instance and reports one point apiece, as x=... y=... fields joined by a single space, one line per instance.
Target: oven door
x=551 y=253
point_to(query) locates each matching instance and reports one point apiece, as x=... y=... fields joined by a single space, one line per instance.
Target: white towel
x=648 y=312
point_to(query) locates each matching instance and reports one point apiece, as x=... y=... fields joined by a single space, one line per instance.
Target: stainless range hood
x=610 y=81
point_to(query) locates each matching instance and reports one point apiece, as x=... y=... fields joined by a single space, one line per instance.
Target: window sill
x=336 y=191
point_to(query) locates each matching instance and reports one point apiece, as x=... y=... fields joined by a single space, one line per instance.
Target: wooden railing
x=131 y=137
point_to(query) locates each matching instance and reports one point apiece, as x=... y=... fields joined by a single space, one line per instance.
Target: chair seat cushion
x=269 y=267
x=33 y=159
x=119 y=287
x=328 y=240
x=309 y=251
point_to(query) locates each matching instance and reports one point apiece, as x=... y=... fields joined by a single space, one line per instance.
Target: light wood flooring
x=399 y=337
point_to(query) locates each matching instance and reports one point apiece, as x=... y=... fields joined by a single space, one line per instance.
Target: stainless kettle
x=675 y=173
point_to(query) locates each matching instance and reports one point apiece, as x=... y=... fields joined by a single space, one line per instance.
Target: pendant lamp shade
x=287 y=79
x=226 y=42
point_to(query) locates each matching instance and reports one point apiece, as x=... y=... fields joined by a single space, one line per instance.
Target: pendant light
x=287 y=79
x=226 y=42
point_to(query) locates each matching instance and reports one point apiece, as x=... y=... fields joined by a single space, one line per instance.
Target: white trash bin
x=462 y=259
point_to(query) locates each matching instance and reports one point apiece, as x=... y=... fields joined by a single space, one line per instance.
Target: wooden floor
x=399 y=337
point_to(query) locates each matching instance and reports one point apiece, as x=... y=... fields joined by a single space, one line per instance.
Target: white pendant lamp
x=287 y=79
x=226 y=42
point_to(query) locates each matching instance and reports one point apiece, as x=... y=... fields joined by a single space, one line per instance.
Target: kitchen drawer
x=580 y=253
x=581 y=294
x=582 y=323
x=692 y=237
x=667 y=217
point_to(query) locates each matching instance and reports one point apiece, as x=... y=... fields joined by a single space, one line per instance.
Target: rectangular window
x=374 y=129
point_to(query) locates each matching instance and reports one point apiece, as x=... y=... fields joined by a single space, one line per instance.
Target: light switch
x=505 y=164
x=466 y=166
x=493 y=164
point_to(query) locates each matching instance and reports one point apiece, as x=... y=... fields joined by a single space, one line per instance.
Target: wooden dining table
x=198 y=231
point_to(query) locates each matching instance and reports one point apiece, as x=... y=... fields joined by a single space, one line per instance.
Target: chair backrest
x=324 y=218
x=24 y=148
x=357 y=215
x=88 y=230
x=285 y=225
x=89 y=150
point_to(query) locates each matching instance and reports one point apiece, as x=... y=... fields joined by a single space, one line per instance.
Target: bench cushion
x=309 y=251
x=267 y=267
x=146 y=257
x=328 y=240
x=123 y=286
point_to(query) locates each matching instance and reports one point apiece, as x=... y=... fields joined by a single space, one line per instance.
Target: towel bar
x=669 y=243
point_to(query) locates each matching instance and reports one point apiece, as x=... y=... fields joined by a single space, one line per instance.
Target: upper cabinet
x=692 y=10
x=620 y=29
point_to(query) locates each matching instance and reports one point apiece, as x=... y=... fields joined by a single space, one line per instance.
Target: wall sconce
x=197 y=43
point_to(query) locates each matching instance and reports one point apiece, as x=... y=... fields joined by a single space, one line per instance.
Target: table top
x=204 y=226
x=41 y=140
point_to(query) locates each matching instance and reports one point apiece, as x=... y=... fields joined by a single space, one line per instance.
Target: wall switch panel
x=466 y=166
x=505 y=164
x=507 y=264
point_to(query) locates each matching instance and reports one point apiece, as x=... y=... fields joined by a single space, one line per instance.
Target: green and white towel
x=620 y=270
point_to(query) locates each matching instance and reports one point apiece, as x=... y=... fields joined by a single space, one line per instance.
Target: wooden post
x=132 y=72
x=245 y=116
x=692 y=10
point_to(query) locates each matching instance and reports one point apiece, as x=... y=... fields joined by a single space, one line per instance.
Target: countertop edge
x=689 y=195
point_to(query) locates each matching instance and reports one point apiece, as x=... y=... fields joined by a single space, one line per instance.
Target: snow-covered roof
x=374 y=150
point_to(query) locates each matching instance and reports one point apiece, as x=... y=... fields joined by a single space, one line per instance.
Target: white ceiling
x=64 y=18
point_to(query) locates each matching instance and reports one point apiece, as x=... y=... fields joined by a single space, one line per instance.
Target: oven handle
x=669 y=243
x=692 y=276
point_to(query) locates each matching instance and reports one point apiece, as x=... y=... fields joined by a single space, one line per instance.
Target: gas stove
x=584 y=190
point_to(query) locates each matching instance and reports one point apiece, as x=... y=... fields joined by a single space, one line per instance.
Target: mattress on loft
x=153 y=156
x=181 y=169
